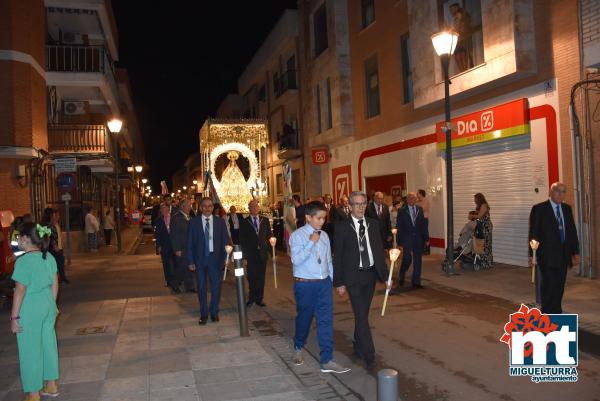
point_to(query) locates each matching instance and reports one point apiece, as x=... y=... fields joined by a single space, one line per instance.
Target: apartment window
x=279 y=184
x=372 y=87
x=320 y=29
x=291 y=72
x=464 y=16
x=407 y=78
x=276 y=83
x=318 y=108
x=262 y=93
x=296 y=181
x=328 y=116
x=368 y=12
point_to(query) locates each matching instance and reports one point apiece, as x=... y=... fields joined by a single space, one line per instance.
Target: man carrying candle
x=313 y=273
x=551 y=223
x=359 y=262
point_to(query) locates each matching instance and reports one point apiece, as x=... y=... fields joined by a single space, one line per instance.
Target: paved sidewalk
x=152 y=348
x=512 y=283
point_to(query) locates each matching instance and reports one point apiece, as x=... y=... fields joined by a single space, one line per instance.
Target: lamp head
x=115 y=125
x=184 y=187
x=228 y=249
x=395 y=254
x=394 y=231
x=534 y=244
x=272 y=241
x=195 y=182
x=139 y=168
x=444 y=42
x=144 y=180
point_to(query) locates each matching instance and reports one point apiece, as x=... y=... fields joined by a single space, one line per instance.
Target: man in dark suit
x=552 y=224
x=342 y=212
x=412 y=236
x=233 y=224
x=381 y=212
x=358 y=262
x=179 y=227
x=300 y=214
x=205 y=251
x=255 y=232
x=163 y=246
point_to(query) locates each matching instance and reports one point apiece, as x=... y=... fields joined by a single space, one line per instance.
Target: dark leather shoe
x=203 y=320
x=249 y=304
x=261 y=304
x=214 y=318
x=418 y=286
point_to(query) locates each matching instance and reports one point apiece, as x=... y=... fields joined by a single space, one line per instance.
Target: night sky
x=183 y=58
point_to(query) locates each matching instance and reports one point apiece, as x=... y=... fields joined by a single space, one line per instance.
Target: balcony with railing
x=78 y=138
x=62 y=62
x=285 y=82
x=289 y=145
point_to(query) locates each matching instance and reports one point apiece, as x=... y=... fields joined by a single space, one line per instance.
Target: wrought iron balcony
x=78 y=138
x=78 y=59
x=288 y=143
x=285 y=82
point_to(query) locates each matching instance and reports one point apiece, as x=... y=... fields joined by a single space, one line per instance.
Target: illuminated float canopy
x=236 y=138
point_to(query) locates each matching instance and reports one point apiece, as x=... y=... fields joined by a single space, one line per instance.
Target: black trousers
x=361 y=296
x=168 y=262
x=235 y=236
x=182 y=275
x=257 y=267
x=553 y=287
x=107 y=236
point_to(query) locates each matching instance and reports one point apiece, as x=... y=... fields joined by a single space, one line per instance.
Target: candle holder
x=534 y=247
x=394 y=232
x=394 y=255
x=273 y=241
x=228 y=249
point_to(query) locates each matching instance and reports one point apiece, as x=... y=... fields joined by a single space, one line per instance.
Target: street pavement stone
x=152 y=347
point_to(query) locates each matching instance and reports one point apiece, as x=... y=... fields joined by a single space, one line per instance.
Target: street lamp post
x=114 y=127
x=444 y=44
x=138 y=169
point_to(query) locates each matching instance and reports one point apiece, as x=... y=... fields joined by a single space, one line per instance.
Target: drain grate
x=91 y=330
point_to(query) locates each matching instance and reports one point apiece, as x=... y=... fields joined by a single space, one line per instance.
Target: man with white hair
x=552 y=224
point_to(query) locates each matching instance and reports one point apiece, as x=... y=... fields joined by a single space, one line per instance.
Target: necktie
x=255 y=224
x=379 y=210
x=168 y=222
x=206 y=236
x=362 y=245
x=412 y=214
x=561 y=226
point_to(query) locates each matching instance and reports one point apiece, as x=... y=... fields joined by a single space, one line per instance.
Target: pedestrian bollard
x=387 y=385
x=241 y=298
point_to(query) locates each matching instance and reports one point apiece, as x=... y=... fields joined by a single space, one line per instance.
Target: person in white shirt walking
x=91 y=228
x=109 y=226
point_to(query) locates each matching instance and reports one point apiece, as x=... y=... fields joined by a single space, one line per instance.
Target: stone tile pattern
x=153 y=349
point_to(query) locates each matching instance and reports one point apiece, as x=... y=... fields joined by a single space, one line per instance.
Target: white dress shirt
x=210 y=231
x=235 y=220
x=357 y=229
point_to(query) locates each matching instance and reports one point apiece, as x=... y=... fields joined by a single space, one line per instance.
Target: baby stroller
x=469 y=245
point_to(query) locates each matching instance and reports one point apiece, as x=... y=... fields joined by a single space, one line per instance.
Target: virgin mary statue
x=234 y=189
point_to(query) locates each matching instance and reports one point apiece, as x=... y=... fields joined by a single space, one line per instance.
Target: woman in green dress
x=34 y=312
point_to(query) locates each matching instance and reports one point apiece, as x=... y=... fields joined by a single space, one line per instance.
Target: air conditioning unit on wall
x=71 y=38
x=73 y=108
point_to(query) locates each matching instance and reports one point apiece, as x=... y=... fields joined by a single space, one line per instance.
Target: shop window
x=368 y=12
x=329 y=117
x=320 y=30
x=464 y=16
x=407 y=77
x=372 y=87
x=318 y=108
